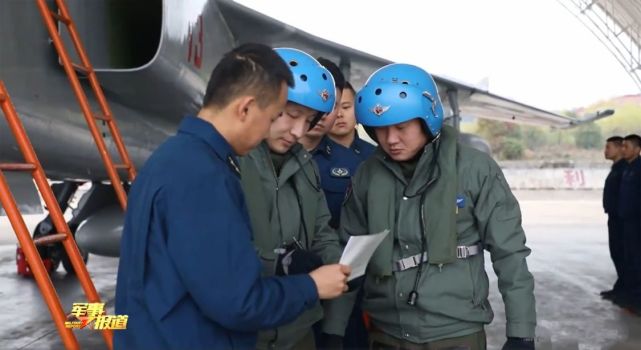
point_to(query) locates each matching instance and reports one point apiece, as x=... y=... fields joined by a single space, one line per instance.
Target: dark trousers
x=356 y=333
x=617 y=251
x=632 y=259
x=381 y=341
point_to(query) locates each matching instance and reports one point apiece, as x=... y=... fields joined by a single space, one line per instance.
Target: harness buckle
x=462 y=252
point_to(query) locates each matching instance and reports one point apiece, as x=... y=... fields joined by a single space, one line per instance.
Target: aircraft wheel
x=52 y=252
x=66 y=262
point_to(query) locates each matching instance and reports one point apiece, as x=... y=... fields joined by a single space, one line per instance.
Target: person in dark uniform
x=338 y=158
x=314 y=137
x=338 y=155
x=629 y=213
x=614 y=153
x=189 y=277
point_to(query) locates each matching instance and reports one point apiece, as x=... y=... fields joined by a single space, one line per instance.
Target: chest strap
x=410 y=262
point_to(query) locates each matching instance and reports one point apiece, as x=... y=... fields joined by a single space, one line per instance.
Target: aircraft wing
x=358 y=65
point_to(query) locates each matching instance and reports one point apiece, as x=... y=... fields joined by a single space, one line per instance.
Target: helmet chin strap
x=430 y=138
x=319 y=116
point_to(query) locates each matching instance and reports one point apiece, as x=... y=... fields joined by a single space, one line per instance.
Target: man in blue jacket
x=189 y=277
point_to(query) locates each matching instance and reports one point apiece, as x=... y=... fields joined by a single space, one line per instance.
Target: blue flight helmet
x=397 y=93
x=313 y=84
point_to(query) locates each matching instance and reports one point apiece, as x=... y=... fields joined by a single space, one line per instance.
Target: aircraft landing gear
x=52 y=254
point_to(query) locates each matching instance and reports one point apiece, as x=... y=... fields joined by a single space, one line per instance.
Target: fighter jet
x=153 y=59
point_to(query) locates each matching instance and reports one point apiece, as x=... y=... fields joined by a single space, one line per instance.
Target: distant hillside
x=626 y=119
x=583 y=143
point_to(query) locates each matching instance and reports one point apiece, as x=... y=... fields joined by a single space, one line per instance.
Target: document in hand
x=359 y=250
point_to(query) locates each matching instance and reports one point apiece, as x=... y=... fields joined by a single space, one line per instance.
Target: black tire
x=66 y=262
x=52 y=251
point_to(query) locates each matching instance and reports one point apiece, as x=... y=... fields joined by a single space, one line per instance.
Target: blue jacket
x=630 y=191
x=611 y=188
x=189 y=277
x=337 y=164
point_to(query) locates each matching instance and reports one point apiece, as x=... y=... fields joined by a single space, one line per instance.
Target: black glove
x=519 y=344
x=355 y=283
x=331 y=342
x=304 y=261
x=297 y=261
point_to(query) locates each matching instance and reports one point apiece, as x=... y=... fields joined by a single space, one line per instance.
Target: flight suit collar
x=206 y=132
x=297 y=159
x=326 y=146
x=420 y=173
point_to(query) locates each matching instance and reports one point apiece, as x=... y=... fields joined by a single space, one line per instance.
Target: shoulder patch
x=339 y=172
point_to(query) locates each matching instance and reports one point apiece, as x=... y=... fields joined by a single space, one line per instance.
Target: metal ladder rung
x=60 y=18
x=49 y=239
x=17 y=167
x=81 y=68
x=102 y=116
x=122 y=166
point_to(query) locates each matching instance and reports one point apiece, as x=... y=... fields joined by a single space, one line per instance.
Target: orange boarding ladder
x=104 y=114
x=64 y=235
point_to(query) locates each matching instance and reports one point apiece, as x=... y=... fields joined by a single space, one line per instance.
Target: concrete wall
x=561 y=178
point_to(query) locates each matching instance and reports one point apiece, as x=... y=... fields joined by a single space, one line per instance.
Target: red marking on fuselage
x=196 y=48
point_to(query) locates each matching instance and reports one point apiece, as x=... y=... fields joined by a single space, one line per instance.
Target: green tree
x=534 y=137
x=512 y=148
x=496 y=132
x=588 y=136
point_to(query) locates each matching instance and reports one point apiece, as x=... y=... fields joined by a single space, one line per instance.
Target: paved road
x=570 y=262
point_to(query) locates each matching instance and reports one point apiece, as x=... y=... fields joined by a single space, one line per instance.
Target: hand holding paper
x=359 y=250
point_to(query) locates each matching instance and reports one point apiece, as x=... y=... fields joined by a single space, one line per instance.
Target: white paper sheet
x=359 y=250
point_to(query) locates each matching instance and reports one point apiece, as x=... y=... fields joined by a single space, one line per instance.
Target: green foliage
x=588 y=136
x=505 y=139
x=626 y=120
x=513 y=141
x=512 y=148
x=534 y=137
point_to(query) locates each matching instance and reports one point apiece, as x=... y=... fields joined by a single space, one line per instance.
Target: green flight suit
x=453 y=292
x=274 y=202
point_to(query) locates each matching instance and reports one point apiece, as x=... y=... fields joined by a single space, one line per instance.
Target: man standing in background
x=613 y=152
x=629 y=213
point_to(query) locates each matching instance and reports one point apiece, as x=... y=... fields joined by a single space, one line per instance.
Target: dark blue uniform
x=610 y=204
x=629 y=212
x=337 y=164
x=189 y=277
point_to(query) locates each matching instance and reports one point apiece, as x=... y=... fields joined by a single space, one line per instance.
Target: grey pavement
x=570 y=262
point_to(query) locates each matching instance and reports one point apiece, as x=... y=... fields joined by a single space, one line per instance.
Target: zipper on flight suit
x=272 y=342
x=277 y=188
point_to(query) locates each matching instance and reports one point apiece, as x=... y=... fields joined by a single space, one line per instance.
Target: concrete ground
x=570 y=262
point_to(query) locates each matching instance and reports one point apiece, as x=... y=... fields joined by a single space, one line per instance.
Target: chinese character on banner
x=574 y=178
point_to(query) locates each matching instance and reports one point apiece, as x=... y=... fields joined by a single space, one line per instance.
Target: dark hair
x=618 y=140
x=254 y=69
x=349 y=87
x=636 y=139
x=339 y=78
